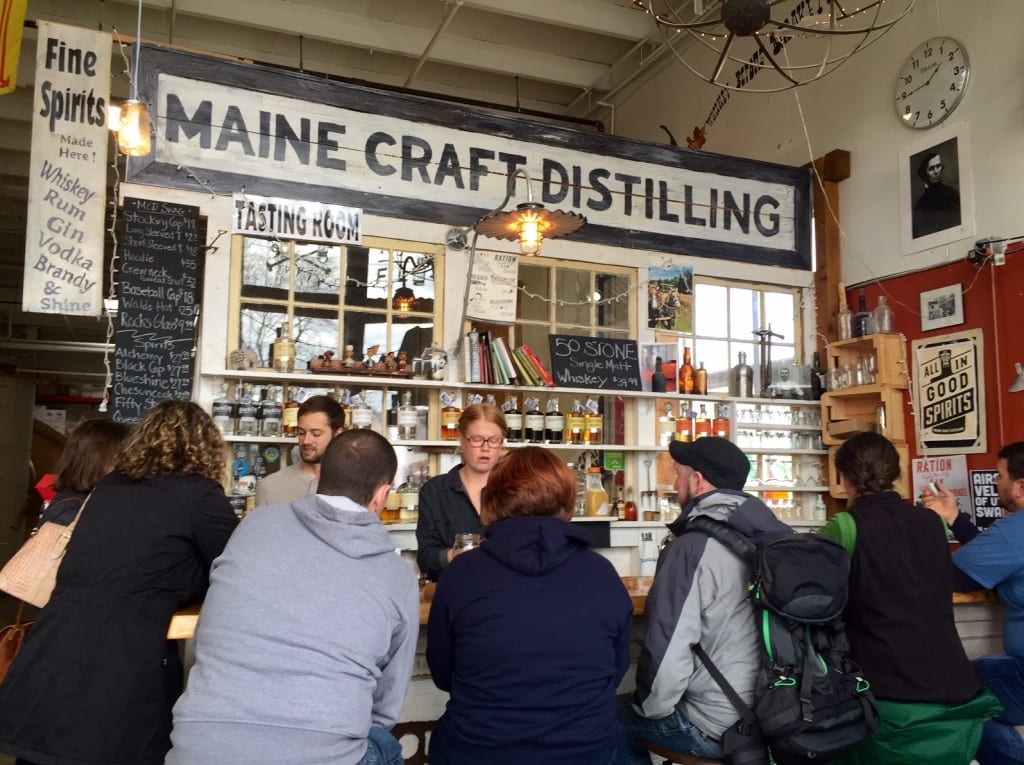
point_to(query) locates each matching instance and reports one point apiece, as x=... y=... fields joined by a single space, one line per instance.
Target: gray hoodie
x=306 y=639
x=699 y=595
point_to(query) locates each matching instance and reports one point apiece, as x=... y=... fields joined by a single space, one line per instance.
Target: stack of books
x=490 y=361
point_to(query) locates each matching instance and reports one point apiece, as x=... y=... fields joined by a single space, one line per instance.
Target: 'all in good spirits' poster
x=950 y=394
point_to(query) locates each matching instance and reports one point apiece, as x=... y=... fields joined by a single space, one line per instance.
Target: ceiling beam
x=611 y=20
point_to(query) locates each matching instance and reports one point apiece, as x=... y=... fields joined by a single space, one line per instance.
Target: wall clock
x=932 y=82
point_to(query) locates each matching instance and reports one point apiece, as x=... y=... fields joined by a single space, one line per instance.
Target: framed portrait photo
x=943 y=307
x=936 y=190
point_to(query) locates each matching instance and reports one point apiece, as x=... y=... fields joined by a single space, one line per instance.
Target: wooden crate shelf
x=846 y=411
x=902 y=485
x=889 y=352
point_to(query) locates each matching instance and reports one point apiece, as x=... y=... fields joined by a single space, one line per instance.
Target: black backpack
x=811 y=701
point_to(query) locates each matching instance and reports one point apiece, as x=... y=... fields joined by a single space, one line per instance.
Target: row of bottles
x=691 y=424
x=583 y=424
x=881 y=319
x=247 y=411
x=692 y=382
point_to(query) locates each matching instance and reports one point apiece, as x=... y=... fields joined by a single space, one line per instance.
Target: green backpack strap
x=842 y=528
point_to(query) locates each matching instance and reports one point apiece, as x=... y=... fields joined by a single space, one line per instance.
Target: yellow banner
x=12 y=19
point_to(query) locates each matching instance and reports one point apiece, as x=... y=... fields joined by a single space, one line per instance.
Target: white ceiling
x=563 y=58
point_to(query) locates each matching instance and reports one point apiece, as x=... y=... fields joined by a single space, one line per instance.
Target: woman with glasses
x=450 y=503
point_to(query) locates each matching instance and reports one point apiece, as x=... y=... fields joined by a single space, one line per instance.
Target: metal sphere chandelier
x=765 y=46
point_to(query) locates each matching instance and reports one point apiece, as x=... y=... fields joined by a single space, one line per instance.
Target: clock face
x=931 y=82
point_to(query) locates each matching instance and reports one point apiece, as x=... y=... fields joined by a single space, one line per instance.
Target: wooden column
x=831 y=169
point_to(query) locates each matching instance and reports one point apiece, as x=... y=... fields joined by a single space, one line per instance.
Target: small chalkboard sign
x=156 y=313
x=595 y=362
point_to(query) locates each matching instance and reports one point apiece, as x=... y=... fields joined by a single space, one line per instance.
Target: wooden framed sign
x=949 y=389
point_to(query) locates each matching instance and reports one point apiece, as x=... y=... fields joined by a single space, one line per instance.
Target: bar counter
x=183 y=623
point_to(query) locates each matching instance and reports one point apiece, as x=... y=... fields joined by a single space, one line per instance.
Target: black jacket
x=96 y=679
x=444 y=511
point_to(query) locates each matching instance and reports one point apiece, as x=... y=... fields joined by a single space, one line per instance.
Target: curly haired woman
x=96 y=679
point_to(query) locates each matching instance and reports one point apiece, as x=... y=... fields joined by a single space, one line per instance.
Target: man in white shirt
x=321 y=418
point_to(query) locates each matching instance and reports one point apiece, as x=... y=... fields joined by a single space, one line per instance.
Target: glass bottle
x=513 y=420
x=861 y=319
x=575 y=422
x=593 y=423
x=407 y=417
x=248 y=409
x=701 y=425
x=686 y=381
x=629 y=513
x=684 y=423
x=533 y=421
x=720 y=425
x=223 y=410
x=554 y=423
x=270 y=412
x=666 y=426
x=658 y=378
x=817 y=377
x=620 y=505
x=844 y=321
x=700 y=380
x=362 y=414
x=820 y=511
x=283 y=350
x=741 y=378
x=597 y=497
x=885 y=319
x=450 y=414
x=290 y=413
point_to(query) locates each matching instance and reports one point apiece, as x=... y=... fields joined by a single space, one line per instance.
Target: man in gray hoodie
x=699 y=595
x=306 y=640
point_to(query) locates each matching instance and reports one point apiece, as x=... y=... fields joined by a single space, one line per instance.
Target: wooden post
x=831 y=169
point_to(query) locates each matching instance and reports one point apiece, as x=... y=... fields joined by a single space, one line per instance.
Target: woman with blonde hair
x=530 y=632
x=96 y=678
x=450 y=503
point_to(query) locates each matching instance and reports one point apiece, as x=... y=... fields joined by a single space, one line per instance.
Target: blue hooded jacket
x=530 y=635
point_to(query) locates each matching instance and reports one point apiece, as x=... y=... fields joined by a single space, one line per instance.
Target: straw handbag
x=32 y=573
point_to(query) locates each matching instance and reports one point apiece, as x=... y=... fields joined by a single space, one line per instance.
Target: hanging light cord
x=135 y=58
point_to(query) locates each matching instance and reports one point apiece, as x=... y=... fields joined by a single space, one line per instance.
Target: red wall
x=992 y=303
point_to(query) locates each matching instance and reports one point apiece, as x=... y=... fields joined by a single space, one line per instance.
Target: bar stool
x=677 y=758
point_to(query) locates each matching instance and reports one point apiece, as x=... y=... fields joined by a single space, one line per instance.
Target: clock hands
x=927 y=82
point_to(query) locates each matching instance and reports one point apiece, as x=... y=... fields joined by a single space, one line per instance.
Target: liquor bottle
x=885 y=319
x=629 y=513
x=648 y=554
x=593 y=423
x=533 y=421
x=861 y=319
x=658 y=378
x=817 y=377
x=248 y=409
x=270 y=411
x=407 y=418
x=283 y=350
x=686 y=381
x=666 y=427
x=720 y=425
x=844 y=319
x=224 y=410
x=513 y=419
x=575 y=422
x=290 y=414
x=701 y=425
x=243 y=479
x=741 y=378
x=700 y=381
x=620 y=505
x=684 y=423
x=450 y=414
x=362 y=414
x=554 y=423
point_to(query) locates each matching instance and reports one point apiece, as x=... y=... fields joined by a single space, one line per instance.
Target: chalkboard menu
x=156 y=310
x=595 y=362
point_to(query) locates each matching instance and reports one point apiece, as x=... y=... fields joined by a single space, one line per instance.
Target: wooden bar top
x=183 y=623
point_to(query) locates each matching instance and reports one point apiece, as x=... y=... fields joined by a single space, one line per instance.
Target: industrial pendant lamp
x=133 y=134
x=530 y=222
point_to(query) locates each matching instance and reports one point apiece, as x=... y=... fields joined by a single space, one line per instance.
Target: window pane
x=315 y=331
x=714 y=354
x=412 y=335
x=536 y=281
x=573 y=287
x=363 y=329
x=258 y=329
x=366 y=277
x=711 y=302
x=744 y=313
x=265 y=269
x=617 y=289
x=317 y=273
x=413 y=283
x=779 y=312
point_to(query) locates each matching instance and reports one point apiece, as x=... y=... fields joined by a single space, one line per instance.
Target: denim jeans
x=674 y=732
x=1004 y=676
x=381 y=748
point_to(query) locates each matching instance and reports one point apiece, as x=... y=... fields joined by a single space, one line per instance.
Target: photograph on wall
x=936 y=190
x=942 y=307
x=949 y=394
x=670 y=298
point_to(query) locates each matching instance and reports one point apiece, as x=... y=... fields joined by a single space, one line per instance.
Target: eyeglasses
x=478 y=441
